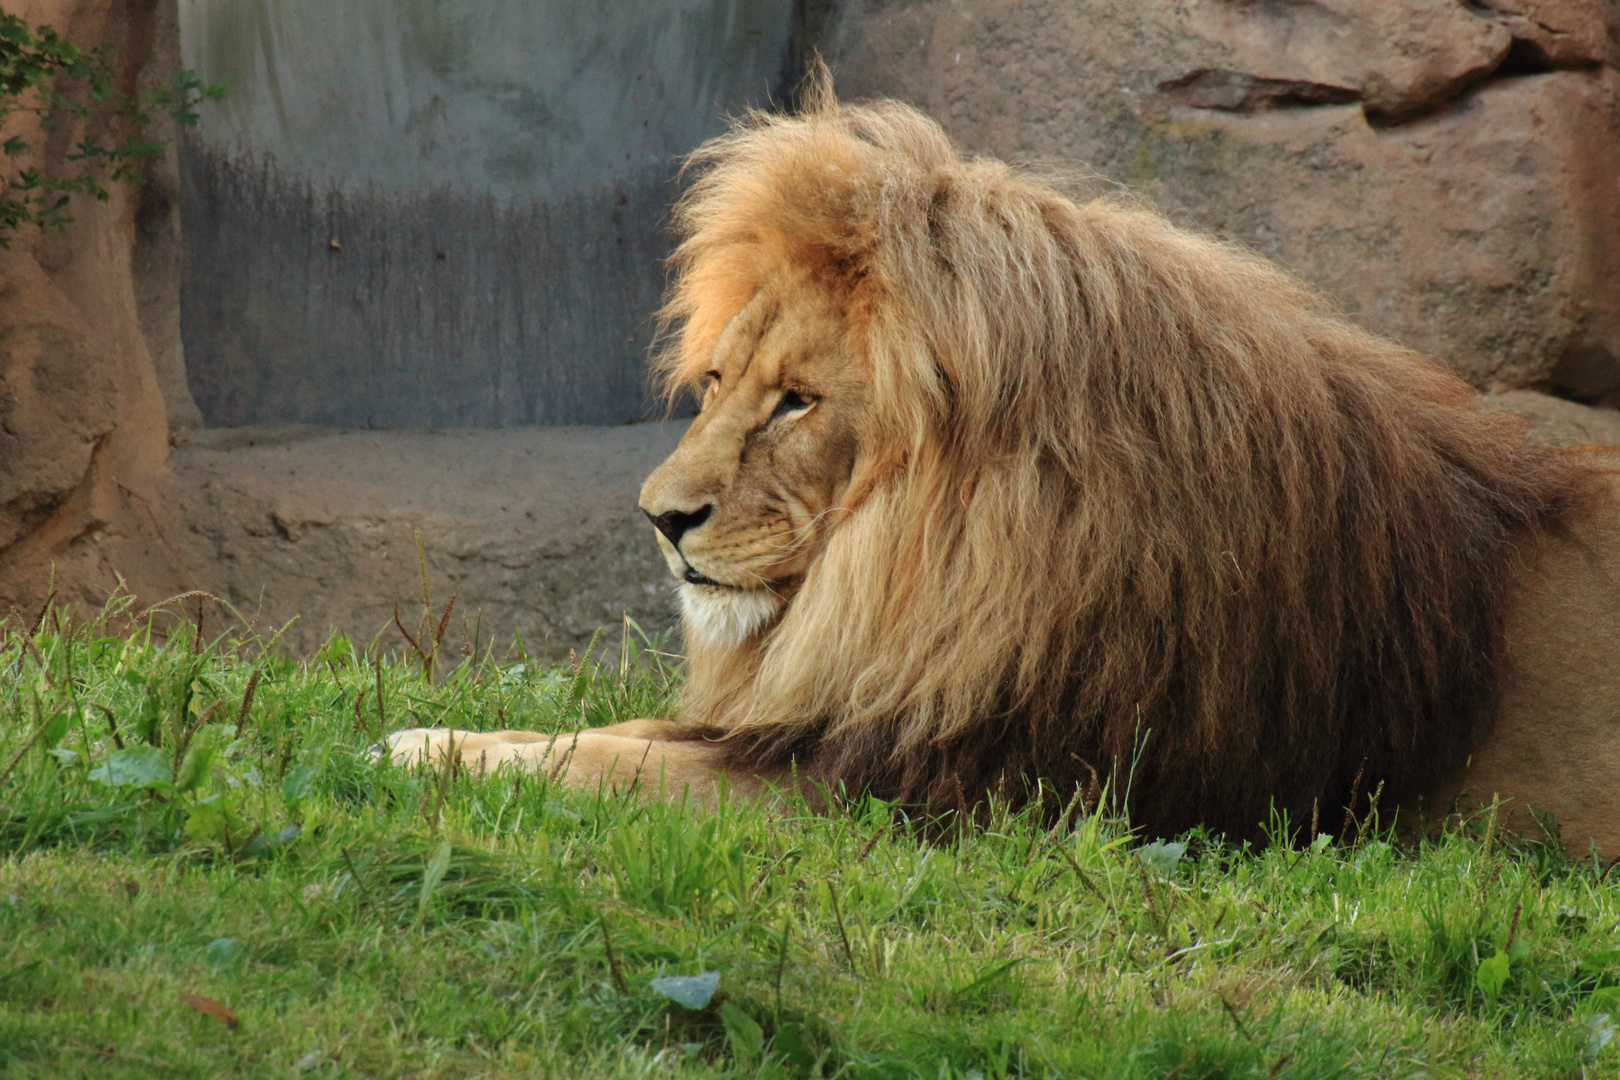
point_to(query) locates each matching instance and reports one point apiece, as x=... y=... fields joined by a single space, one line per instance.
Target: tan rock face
x=58 y=398
x=1561 y=33
x=1396 y=58
x=1450 y=174
x=83 y=424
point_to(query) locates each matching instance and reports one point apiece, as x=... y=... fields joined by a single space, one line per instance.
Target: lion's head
x=991 y=487
x=739 y=506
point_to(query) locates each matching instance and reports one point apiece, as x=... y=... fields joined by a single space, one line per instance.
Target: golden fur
x=994 y=491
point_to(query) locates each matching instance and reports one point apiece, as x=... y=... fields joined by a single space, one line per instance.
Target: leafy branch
x=44 y=74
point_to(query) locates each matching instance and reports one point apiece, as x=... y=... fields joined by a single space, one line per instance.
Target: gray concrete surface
x=537 y=527
x=411 y=214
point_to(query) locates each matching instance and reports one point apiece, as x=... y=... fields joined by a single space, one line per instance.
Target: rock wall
x=86 y=342
x=1449 y=172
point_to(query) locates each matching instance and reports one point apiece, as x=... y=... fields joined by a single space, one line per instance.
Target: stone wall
x=1449 y=172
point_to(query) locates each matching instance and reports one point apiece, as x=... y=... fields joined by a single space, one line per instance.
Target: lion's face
x=743 y=505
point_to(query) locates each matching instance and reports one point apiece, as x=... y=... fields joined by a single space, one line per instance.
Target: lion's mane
x=1126 y=494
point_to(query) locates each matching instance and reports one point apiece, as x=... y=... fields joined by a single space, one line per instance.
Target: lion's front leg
x=481 y=751
x=620 y=756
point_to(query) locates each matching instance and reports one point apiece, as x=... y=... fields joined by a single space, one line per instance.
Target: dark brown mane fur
x=1131 y=484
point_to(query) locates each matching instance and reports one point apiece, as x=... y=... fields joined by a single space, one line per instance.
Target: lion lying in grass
x=996 y=493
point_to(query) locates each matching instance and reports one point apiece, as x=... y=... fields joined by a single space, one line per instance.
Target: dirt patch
x=537 y=527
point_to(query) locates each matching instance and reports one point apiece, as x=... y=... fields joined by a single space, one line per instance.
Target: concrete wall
x=417 y=213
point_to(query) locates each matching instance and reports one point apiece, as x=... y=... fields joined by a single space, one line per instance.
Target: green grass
x=245 y=890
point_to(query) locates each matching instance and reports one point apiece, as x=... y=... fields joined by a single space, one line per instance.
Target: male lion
x=995 y=492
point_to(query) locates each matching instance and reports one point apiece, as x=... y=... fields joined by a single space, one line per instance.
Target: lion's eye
x=707 y=385
x=792 y=402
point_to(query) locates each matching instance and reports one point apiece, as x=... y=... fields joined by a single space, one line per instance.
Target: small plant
x=44 y=74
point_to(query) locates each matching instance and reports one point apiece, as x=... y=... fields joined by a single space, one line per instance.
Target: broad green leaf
x=194 y=770
x=214 y=820
x=223 y=952
x=693 y=991
x=134 y=766
x=299 y=781
x=431 y=876
x=1600 y=959
x=747 y=1038
x=1162 y=855
x=1605 y=999
x=1599 y=1032
x=55 y=728
x=1492 y=975
x=789 y=1043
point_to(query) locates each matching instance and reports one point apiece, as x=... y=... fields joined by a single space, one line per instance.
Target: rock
x=59 y=397
x=1414 y=160
x=1560 y=422
x=83 y=426
x=1560 y=33
x=1398 y=58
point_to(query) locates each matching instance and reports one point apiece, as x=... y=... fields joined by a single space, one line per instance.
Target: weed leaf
x=137 y=766
x=1492 y=975
x=223 y=952
x=693 y=991
x=746 y=1037
x=299 y=781
x=431 y=876
x=1162 y=855
x=215 y=820
x=1600 y=1031
x=55 y=729
x=194 y=770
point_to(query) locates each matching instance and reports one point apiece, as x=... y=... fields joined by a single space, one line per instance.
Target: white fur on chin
x=725 y=618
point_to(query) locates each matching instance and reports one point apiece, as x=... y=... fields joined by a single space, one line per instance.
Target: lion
x=997 y=494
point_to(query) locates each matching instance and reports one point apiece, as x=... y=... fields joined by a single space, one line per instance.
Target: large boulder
x=1447 y=172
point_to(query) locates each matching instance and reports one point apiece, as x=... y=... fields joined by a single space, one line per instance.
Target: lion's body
x=997 y=493
x=1554 y=748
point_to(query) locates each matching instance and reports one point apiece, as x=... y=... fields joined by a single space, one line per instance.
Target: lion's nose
x=674 y=523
